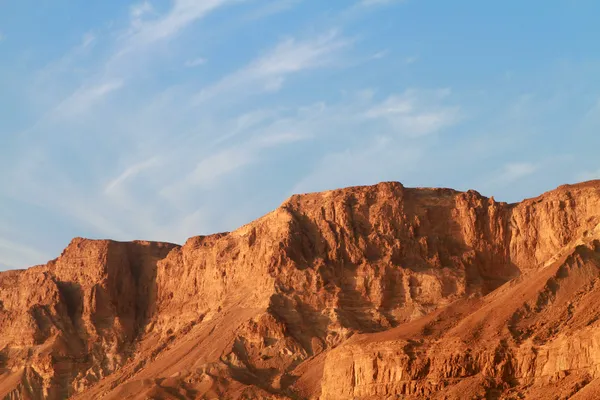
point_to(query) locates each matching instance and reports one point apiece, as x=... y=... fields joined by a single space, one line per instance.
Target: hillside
x=359 y=293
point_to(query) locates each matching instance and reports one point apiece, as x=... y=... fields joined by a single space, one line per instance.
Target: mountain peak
x=361 y=292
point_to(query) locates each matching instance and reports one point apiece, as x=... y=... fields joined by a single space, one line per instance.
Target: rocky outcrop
x=534 y=333
x=364 y=292
x=69 y=323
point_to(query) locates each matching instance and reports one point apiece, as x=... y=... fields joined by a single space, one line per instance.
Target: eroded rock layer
x=359 y=293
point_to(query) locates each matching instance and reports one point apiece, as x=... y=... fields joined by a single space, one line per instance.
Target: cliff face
x=365 y=292
x=67 y=324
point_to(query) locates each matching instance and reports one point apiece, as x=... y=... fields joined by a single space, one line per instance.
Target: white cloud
x=369 y=3
x=140 y=9
x=130 y=173
x=88 y=39
x=14 y=254
x=254 y=118
x=132 y=52
x=43 y=184
x=280 y=138
x=123 y=203
x=86 y=97
x=372 y=149
x=512 y=172
x=196 y=62
x=102 y=90
x=219 y=164
x=293 y=56
x=416 y=113
x=591 y=119
x=271 y=8
x=150 y=166
x=274 y=85
x=393 y=105
x=2 y=37
x=380 y=159
x=180 y=16
x=268 y=72
x=380 y=54
x=187 y=189
x=589 y=175
x=411 y=60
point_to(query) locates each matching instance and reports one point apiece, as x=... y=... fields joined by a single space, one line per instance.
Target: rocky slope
x=360 y=293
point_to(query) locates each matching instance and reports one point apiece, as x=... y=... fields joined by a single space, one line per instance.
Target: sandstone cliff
x=360 y=293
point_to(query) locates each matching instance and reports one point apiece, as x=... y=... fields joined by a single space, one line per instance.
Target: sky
x=162 y=120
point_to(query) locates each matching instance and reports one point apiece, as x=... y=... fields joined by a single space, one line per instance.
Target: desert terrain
x=375 y=292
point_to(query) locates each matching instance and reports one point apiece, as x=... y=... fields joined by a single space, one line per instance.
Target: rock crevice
x=363 y=292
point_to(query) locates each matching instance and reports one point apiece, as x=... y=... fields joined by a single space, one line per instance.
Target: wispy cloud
x=196 y=62
x=140 y=9
x=183 y=13
x=119 y=154
x=293 y=56
x=88 y=39
x=271 y=8
x=416 y=113
x=131 y=172
x=129 y=54
x=380 y=54
x=125 y=144
x=14 y=254
x=86 y=97
x=214 y=167
x=42 y=177
x=512 y=172
x=381 y=150
x=588 y=175
x=373 y=160
x=370 y=3
x=411 y=60
x=268 y=72
x=227 y=161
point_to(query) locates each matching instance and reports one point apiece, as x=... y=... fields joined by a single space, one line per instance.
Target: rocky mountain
x=379 y=292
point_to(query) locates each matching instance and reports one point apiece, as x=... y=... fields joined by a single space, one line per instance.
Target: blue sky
x=162 y=120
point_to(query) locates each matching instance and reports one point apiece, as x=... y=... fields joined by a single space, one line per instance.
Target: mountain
x=376 y=292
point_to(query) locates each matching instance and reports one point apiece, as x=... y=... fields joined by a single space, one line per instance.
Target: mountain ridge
x=274 y=308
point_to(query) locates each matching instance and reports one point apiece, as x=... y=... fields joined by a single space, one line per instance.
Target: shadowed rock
x=360 y=293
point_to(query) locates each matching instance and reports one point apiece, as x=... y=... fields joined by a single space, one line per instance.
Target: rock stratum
x=378 y=292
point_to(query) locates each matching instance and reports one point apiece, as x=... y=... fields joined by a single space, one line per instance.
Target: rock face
x=360 y=293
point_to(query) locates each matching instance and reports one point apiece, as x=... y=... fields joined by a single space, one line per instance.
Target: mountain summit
x=368 y=292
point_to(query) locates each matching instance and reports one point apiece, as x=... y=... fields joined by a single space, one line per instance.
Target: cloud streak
x=588 y=175
x=371 y=3
x=268 y=72
x=415 y=113
x=145 y=32
x=136 y=136
x=14 y=254
x=515 y=171
x=87 y=97
x=196 y=62
x=119 y=155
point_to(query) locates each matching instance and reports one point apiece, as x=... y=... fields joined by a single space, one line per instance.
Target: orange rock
x=359 y=293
